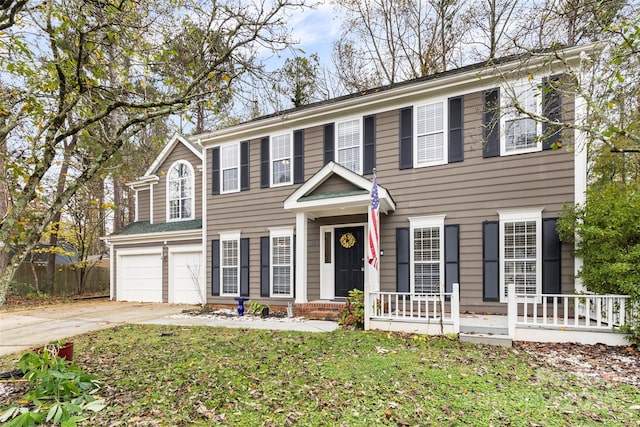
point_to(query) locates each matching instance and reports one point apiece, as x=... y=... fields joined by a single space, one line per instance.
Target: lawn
x=165 y=375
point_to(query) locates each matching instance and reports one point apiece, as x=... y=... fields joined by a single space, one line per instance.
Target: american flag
x=374 y=232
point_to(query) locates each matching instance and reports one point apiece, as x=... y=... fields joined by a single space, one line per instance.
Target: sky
x=315 y=30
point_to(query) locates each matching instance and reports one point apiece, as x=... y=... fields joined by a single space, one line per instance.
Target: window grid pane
x=521 y=131
x=230 y=267
x=281 y=261
x=281 y=159
x=426 y=253
x=180 y=189
x=229 y=166
x=348 y=145
x=430 y=133
x=520 y=256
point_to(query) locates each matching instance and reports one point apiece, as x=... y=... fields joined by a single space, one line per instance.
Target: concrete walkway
x=24 y=329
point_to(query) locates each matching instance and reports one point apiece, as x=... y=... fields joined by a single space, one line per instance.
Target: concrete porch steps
x=486 y=339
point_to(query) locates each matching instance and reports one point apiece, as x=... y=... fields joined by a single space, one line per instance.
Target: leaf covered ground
x=165 y=375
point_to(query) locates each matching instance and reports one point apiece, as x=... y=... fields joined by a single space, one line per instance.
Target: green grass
x=163 y=375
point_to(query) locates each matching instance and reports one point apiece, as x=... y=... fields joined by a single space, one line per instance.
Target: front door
x=349 y=259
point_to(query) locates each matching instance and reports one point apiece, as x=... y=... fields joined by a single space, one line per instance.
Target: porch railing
x=579 y=311
x=441 y=308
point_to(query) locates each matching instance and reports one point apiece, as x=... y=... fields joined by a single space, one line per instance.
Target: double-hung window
x=230 y=168
x=281 y=241
x=430 y=140
x=230 y=264
x=521 y=132
x=427 y=254
x=281 y=160
x=520 y=250
x=180 y=189
x=349 y=145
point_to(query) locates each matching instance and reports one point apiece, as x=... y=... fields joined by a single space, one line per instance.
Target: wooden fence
x=66 y=280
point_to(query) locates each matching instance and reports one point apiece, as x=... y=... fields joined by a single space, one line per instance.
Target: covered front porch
x=582 y=318
x=331 y=234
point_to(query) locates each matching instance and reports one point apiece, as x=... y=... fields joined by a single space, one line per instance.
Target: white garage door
x=140 y=277
x=185 y=276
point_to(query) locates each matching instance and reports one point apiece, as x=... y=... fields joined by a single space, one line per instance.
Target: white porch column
x=301 y=257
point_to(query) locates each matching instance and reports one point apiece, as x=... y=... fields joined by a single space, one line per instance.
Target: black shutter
x=403 y=283
x=264 y=266
x=551 y=109
x=456 y=141
x=551 y=256
x=491 y=261
x=215 y=170
x=451 y=256
x=244 y=165
x=406 y=138
x=491 y=123
x=329 y=143
x=298 y=156
x=215 y=267
x=369 y=133
x=264 y=163
x=244 y=267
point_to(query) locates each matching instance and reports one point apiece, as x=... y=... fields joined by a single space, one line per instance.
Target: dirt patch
x=597 y=362
x=17 y=302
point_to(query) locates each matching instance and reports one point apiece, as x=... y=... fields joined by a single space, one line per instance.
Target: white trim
x=151 y=188
x=360 y=201
x=431 y=221
x=360 y=129
x=281 y=232
x=271 y=160
x=580 y=178
x=452 y=84
x=445 y=132
x=229 y=236
x=168 y=148
x=301 y=258
x=506 y=101
x=135 y=201
x=327 y=272
x=203 y=231
x=193 y=192
x=520 y=215
x=153 y=237
x=237 y=167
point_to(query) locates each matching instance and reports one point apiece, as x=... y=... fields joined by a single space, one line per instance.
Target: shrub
x=352 y=315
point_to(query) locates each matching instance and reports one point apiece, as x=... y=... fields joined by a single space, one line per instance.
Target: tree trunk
x=49 y=280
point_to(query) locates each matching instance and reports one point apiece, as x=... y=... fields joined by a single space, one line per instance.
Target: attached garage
x=140 y=275
x=186 y=275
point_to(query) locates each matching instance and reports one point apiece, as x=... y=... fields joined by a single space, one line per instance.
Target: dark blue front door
x=349 y=259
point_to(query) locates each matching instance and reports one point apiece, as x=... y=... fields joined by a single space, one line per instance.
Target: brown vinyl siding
x=144 y=205
x=468 y=193
x=334 y=184
x=160 y=188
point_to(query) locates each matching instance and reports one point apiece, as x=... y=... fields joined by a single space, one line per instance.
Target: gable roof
x=192 y=145
x=353 y=199
x=479 y=76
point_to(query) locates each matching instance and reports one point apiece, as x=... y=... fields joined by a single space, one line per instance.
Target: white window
x=230 y=168
x=427 y=254
x=349 y=145
x=430 y=140
x=180 y=191
x=281 y=262
x=230 y=264
x=520 y=132
x=281 y=161
x=520 y=251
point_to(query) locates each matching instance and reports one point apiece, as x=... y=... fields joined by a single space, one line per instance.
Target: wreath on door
x=347 y=240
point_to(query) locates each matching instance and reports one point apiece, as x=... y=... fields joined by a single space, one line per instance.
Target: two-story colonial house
x=275 y=209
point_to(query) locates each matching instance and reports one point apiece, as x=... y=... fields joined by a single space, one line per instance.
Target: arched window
x=180 y=189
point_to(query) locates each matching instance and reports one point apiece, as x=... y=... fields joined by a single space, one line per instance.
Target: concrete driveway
x=24 y=329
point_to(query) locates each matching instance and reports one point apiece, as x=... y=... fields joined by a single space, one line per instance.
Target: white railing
x=579 y=311
x=442 y=308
